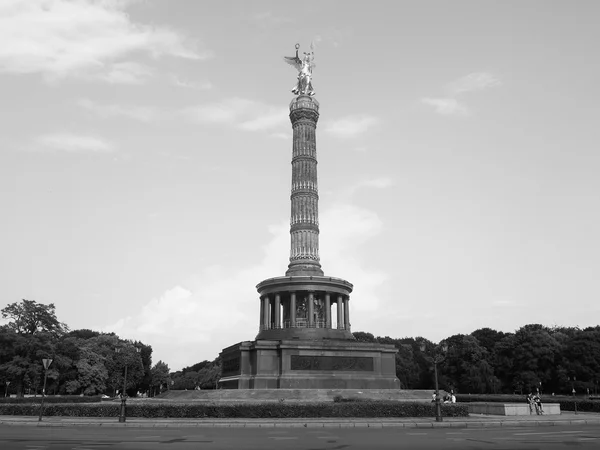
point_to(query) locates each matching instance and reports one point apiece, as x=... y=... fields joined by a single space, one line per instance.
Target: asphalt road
x=495 y=438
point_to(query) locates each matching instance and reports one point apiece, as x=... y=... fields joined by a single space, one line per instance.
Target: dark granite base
x=309 y=364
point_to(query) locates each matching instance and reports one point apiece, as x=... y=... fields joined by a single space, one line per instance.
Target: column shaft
x=327 y=311
x=339 y=312
x=311 y=310
x=293 y=309
x=266 y=312
x=347 y=313
x=277 y=311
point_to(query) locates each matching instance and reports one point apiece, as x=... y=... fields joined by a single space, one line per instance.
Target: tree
x=30 y=317
x=160 y=375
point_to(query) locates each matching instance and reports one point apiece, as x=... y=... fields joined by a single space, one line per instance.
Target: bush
x=246 y=410
x=53 y=399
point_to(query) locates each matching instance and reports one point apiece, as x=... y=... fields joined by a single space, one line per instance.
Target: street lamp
x=439 y=355
x=6 y=389
x=573 y=380
x=122 y=411
x=46 y=363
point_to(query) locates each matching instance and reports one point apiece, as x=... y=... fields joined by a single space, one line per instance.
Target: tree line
x=552 y=359
x=84 y=362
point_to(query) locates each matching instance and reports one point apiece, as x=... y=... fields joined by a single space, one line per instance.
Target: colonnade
x=307 y=309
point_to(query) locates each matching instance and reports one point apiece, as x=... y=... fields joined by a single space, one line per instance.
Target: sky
x=145 y=173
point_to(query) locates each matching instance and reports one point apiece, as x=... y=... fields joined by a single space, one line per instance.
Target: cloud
x=201 y=86
x=73 y=143
x=476 y=81
x=265 y=18
x=241 y=113
x=86 y=38
x=446 y=106
x=127 y=72
x=220 y=306
x=449 y=105
x=141 y=113
x=352 y=126
x=375 y=183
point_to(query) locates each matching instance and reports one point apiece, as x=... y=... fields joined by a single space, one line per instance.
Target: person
x=539 y=410
x=433 y=397
x=530 y=402
x=452 y=397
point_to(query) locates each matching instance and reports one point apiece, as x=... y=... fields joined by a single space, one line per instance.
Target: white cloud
x=201 y=86
x=86 y=38
x=446 y=106
x=449 y=105
x=242 y=113
x=127 y=72
x=267 y=18
x=74 y=143
x=476 y=81
x=141 y=113
x=352 y=126
x=220 y=306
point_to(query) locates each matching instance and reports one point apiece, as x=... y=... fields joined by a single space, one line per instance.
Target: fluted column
x=266 y=312
x=339 y=312
x=292 y=309
x=347 y=313
x=261 y=318
x=304 y=220
x=277 y=311
x=327 y=310
x=311 y=310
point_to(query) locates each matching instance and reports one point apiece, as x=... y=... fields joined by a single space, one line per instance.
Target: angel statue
x=304 y=67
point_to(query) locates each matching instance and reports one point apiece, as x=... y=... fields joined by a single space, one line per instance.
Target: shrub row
x=53 y=399
x=247 y=410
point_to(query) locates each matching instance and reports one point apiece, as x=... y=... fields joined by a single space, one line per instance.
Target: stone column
x=266 y=309
x=277 y=311
x=261 y=318
x=327 y=310
x=347 y=313
x=339 y=312
x=292 y=309
x=304 y=220
x=311 y=310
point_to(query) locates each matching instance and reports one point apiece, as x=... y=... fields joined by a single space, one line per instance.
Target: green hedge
x=53 y=399
x=248 y=410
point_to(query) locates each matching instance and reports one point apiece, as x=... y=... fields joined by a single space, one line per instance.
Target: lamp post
x=123 y=409
x=572 y=380
x=46 y=362
x=439 y=355
x=6 y=389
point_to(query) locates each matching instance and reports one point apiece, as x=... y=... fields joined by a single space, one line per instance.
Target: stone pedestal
x=308 y=364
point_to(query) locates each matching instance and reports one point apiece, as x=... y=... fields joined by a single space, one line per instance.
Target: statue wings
x=294 y=61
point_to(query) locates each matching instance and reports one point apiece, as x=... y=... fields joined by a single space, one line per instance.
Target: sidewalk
x=474 y=420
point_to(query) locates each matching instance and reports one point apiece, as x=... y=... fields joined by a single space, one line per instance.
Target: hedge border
x=244 y=410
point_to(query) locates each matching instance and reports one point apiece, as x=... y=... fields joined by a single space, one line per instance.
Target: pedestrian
x=530 y=402
x=539 y=410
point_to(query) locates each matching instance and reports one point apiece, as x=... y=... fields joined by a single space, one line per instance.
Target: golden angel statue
x=304 y=67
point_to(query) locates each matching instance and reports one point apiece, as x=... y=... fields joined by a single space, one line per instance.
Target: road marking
x=546 y=433
x=146 y=437
x=281 y=438
x=416 y=434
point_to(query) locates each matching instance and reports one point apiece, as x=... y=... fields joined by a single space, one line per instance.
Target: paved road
x=498 y=438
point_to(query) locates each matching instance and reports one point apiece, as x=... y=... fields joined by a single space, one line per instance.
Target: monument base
x=308 y=364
